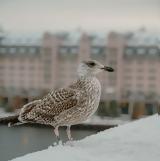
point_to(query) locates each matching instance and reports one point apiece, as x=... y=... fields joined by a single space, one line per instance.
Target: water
x=20 y=140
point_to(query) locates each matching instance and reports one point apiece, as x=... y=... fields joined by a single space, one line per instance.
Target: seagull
x=67 y=106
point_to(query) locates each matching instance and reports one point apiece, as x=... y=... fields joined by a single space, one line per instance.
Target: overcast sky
x=90 y=15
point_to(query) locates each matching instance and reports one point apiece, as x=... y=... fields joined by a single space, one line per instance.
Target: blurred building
x=31 y=66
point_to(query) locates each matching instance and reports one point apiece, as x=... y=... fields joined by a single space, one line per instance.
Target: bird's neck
x=89 y=79
x=86 y=77
x=89 y=84
x=85 y=82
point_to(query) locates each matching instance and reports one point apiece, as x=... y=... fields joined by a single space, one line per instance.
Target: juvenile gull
x=68 y=106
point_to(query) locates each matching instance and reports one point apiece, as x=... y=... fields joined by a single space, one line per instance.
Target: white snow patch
x=4 y=114
x=135 y=141
x=106 y=120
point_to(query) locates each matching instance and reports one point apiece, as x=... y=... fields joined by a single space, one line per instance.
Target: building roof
x=17 y=39
x=145 y=38
x=138 y=38
x=73 y=38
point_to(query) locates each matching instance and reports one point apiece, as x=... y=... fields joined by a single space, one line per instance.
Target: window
x=3 y=50
x=128 y=77
x=112 y=83
x=152 y=86
x=152 y=51
x=140 y=77
x=12 y=50
x=1 y=67
x=151 y=77
x=74 y=50
x=129 y=51
x=112 y=50
x=128 y=70
x=128 y=85
x=12 y=67
x=21 y=75
x=152 y=70
x=48 y=62
x=95 y=51
x=22 y=50
x=47 y=77
x=32 y=50
x=31 y=67
x=112 y=62
x=112 y=77
x=47 y=50
x=140 y=70
x=141 y=51
x=139 y=86
x=139 y=62
x=63 y=50
x=22 y=67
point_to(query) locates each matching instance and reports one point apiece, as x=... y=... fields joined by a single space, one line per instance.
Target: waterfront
x=21 y=140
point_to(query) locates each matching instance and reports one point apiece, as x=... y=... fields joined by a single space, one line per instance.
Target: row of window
x=140 y=87
x=21 y=67
x=140 y=70
x=153 y=51
x=75 y=50
x=140 y=77
x=15 y=50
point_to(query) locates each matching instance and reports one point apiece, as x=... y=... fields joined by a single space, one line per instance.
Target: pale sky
x=90 y=15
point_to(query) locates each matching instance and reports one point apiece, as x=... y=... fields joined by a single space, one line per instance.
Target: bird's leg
x=69 y=133
x=56 y=132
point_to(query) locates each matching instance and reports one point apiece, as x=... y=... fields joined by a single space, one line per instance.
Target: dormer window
x=32 y=50
x=129 y=51
x=152 y=51
x=73 y=50
x=12 y=50
x=95 y=51
x=22 y=50
x=63 y=50
x=141 y=51
x=3 y=50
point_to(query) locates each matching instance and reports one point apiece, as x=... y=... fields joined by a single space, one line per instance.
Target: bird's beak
x=109 y=69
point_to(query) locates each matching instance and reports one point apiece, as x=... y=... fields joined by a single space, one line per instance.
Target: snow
x=97 y=120
x=18 y=38
x=134 y=141
x=4 y=114
x=141 y=37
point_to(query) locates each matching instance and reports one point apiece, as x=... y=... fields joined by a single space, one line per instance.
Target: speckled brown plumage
x=70 y=105
x=64 y=106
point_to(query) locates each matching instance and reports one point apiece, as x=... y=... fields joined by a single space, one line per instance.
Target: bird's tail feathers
x=26 y=109
x=10 y=124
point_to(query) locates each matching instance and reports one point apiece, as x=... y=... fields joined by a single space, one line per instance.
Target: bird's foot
x=58 y=141
x=10 y=124
x=69 y=143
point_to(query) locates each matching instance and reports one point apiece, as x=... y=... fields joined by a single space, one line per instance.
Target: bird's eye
x=91 y=64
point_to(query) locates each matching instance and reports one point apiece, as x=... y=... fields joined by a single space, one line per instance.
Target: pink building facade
x=32 y=68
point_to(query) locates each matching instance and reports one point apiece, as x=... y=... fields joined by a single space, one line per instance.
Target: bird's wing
x=53 y=104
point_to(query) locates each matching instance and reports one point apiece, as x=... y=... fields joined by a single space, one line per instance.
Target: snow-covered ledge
x=135 y=141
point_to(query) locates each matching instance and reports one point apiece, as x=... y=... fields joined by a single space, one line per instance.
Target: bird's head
x=92 y=67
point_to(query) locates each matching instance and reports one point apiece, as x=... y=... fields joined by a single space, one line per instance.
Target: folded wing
x=44 y=110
